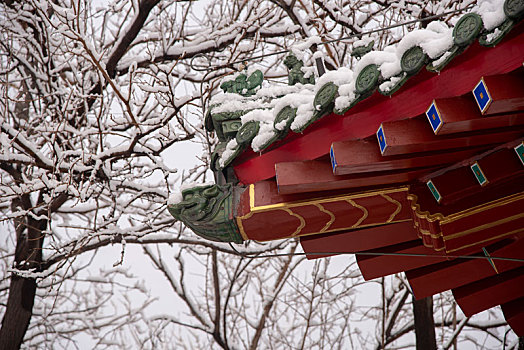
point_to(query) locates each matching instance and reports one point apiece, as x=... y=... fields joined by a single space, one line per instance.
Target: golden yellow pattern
x=365 y=212
x=394 y=201
x=331 y=215
x=317 y=202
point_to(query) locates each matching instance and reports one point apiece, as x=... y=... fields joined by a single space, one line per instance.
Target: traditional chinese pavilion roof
x=416 y=170
x=245 y=117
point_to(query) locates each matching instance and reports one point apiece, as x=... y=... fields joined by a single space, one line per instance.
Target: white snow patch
x=491 y=11
x=434 y=41
x=228 y=152
x=346 y=96
x=388 y=63
x=261 y=115
x=389 y=84
x=442 y=58
x=338 y=77
x=265 y=133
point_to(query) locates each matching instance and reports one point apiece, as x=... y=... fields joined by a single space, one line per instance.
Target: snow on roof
x=436 y=41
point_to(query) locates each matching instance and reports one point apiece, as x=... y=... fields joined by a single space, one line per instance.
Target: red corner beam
x=413 y=99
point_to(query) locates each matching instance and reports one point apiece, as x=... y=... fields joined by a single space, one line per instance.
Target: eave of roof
x=409 y=101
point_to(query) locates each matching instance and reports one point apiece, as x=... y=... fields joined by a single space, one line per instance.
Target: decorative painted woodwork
x=453 y=187
x=519 y=149
x=315 y=175
x=208 y=211
x=433 y=189
x=461 y=114
x=264 y=214
x=479 y=174
x=491 y=291
x=437 y=278
x=415 y=135
x=500 y=93
x=364 y=119
x=361 y=156
x=497 y=166
x=385 y=263
x=473 y=227
x=358 y=239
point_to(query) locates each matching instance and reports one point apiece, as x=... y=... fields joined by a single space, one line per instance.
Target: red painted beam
x=458 y=181
x=359 y=156
x=310 y=176
x=461 y=114
x=415 y=135
x=262 y=214
x=506 y=92
x=489 y=292
x=514 y=315
x=433 y=279
x=374 y=266
x=458 y=78
x=358 y=240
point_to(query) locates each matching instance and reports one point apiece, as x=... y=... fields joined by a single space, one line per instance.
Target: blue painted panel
x=381 y=139
x=434 y=117
x=333 y=160
x=482 y=96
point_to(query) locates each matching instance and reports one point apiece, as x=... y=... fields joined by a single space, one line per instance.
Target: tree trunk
x=424 y=324
x=22 y=291
x=18 y=312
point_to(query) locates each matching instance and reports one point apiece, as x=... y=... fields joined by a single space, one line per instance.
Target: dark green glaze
x=404 y=77
x=502 y=30
x=412 y=60
x=367 y=79
x=243 y=85
x=433 y=67
x=296 y=75
x=325 y=97
x=230 y=128
x=514 y=9
x=360 y=51
x=247 y=132
x=467 y=29
x=288 y=114
x=208 y=211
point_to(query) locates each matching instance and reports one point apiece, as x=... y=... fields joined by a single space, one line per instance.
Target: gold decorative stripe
x=302 y=222
x=331 y=215
x=435 y=249
x=487 y=240
x=364 y=211
x=318 y=200
x=394 y=201
x=483 y=207
x=426 y=215
x=251 y=196
x=428 y=233
x=241 y=229
x=483 y=227
x=461 y=214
